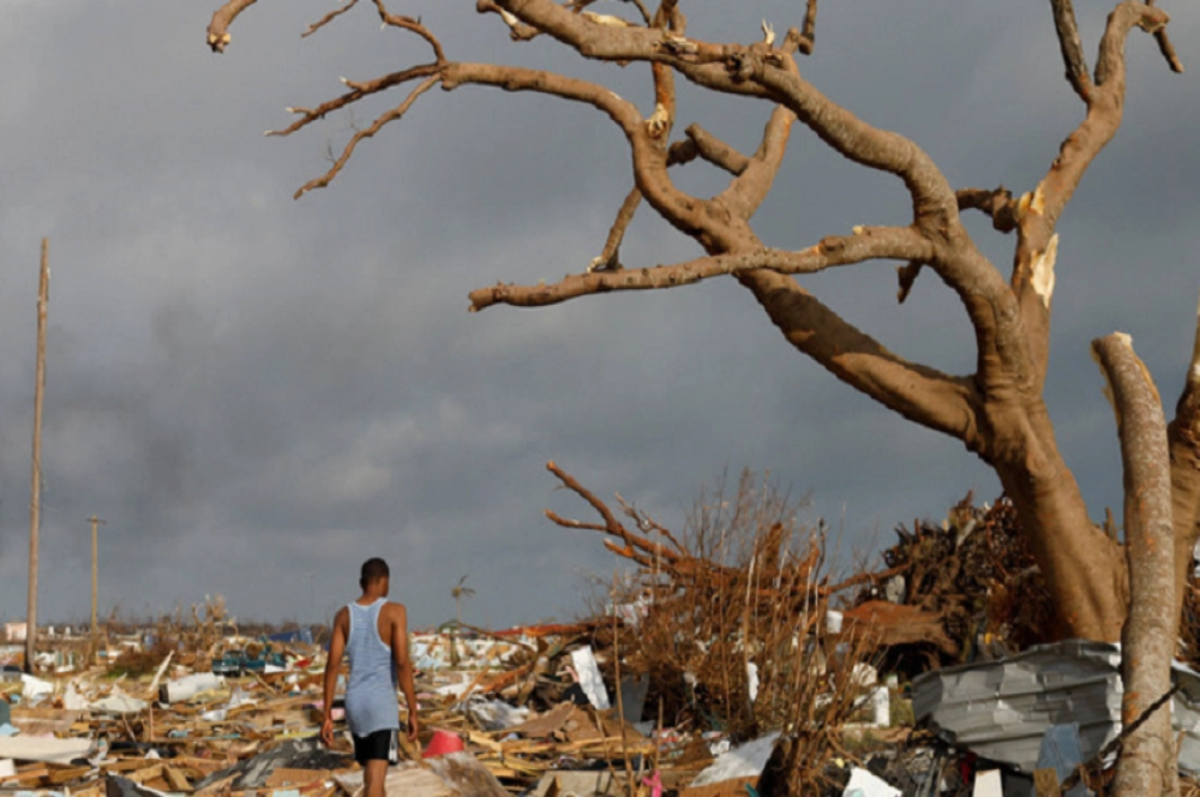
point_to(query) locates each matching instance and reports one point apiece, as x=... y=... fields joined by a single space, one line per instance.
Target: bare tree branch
x=748 y=190
x=1072 y=48
x=1038 y=212
x=923 y=395
x=641 y=7
x=330 y=17
x=999 y=411
x=869 y=243
x=1166 y=48
x=410 y=24
x=759 y=70
x=1104 y=114
x=679 y=153
x=609 y=259
x=368 y=132
x=996 y=204
x=807 y=38
x=518 y=30
x=358 y=90
x=715 y=151
x=611 y=525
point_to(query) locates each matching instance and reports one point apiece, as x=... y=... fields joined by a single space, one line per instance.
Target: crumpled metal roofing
x=1000 y=710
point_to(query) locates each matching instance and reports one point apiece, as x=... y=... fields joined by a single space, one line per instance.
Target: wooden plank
x=67 y=774
x=284 y=777
x=176 y=779
x=146 y=774
x=126 y=764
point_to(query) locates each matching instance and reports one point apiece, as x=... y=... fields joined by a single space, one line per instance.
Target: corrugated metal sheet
x=1001 y=709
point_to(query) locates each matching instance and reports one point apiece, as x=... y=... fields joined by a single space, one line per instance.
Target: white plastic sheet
x=188 y=686
x=33 y=688
x=119 y=704
x=42 y=748
x=866 y=784
x=584 y=662
x=746 y=761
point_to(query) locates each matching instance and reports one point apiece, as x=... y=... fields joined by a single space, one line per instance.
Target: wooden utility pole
x=96 y=522
x=36 y=489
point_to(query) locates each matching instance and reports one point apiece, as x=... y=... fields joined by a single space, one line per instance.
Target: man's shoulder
x=395 y=609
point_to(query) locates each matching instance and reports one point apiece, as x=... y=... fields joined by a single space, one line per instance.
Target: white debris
x=746 y=761
x=865 y=784
x=588 y=672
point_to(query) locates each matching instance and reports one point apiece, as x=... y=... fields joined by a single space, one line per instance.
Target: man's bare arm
x=404 y=668
x=337 y=648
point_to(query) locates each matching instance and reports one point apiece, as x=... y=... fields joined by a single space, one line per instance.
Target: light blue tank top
x=371 y=703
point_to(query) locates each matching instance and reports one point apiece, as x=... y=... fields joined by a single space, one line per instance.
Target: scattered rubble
x=732 y=663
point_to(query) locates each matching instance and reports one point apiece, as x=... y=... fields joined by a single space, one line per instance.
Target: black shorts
x=378 y=746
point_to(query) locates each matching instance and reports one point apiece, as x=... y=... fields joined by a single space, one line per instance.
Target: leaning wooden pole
x=36 y=489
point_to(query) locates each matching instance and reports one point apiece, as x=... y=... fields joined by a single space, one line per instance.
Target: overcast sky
x=252 y=390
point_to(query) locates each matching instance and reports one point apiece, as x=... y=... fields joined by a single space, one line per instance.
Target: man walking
x=374 y=633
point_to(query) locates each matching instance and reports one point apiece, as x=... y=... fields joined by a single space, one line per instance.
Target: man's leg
x=374 y=777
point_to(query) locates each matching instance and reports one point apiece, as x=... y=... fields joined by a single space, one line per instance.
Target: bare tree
x=998 y=412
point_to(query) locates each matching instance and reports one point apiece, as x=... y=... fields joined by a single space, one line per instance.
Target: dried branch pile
x=975 y=572
x=731 y=620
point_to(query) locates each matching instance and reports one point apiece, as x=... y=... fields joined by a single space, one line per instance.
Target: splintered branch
x=1038 y=212
x=1072 y=48
x=222 y=18
x=868 y=243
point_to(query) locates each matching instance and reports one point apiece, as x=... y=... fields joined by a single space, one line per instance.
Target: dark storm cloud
x=259 y=393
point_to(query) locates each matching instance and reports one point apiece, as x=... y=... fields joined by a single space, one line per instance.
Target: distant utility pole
x=96 y=522
x=36 y=490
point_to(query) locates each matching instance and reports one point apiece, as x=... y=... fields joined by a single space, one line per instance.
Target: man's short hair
x=373 y=570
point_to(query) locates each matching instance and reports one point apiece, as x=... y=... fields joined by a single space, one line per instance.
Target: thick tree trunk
x=1084 y=569
x=1147 y=762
